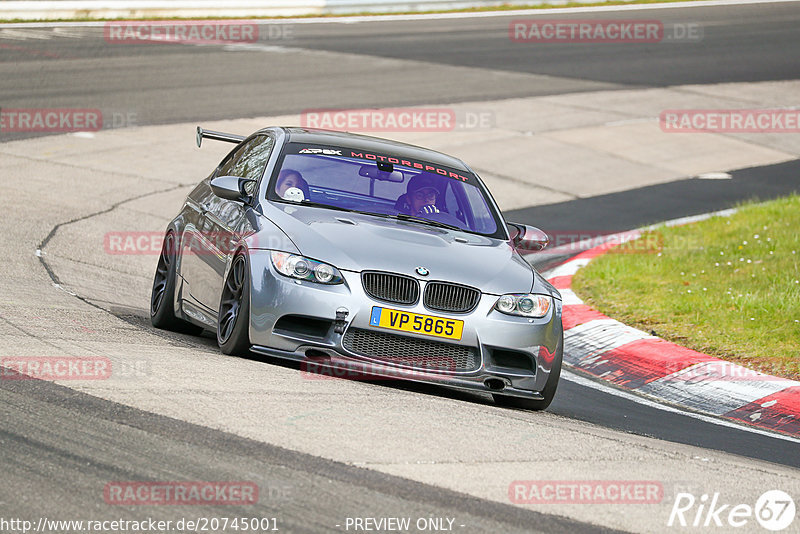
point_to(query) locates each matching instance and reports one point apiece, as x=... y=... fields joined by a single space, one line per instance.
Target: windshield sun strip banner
x=366 y=155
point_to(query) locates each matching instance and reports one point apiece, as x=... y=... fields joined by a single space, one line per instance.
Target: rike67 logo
x=774 y=510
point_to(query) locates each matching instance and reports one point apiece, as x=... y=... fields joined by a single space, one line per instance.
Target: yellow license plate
x=417 y=323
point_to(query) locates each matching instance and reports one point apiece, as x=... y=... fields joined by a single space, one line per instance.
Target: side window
x=227 y=166
x=253 y=161
x=250 y=159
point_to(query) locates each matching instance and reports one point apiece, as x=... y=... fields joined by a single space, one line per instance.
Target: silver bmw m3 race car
x=345 y=251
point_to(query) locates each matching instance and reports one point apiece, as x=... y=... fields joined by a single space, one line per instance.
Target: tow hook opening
x=340 y=323
x=495 y=384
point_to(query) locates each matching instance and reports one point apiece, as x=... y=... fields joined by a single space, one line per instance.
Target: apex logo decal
x=326 y=151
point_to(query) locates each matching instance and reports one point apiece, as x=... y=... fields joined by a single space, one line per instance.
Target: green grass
x=727 y=286
x=503 y=7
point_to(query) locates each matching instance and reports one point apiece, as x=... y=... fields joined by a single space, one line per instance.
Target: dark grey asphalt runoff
x=643 y=206
x=745 y=43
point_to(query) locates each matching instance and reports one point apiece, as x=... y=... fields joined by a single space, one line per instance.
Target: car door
x=220 y=224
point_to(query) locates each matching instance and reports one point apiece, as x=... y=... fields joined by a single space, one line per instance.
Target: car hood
x=355 y=242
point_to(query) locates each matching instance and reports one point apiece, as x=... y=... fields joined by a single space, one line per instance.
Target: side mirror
x=526 y=237
x=231 y=187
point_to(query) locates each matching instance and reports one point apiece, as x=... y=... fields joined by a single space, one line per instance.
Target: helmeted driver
x=421 y=196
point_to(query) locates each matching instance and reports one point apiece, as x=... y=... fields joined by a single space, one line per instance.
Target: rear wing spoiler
x=217 y=136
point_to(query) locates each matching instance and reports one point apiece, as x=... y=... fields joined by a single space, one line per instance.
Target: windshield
x=383 y=185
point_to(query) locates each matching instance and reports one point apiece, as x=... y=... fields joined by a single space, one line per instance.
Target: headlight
x=524 y=305
x=303 y=268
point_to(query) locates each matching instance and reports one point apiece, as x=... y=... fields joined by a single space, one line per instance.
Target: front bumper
x=487 y=331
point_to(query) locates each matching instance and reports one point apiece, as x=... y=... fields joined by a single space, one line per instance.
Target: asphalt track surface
x=166 y=84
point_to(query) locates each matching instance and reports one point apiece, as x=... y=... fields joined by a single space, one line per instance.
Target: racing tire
x=162 y=296
x=233 y=321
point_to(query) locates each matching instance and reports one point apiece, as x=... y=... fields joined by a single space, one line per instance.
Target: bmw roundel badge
x=422 y=271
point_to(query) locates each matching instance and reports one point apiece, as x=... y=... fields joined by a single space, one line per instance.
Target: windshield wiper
x=423 y=220
x=348 y=210
x=319 y=205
